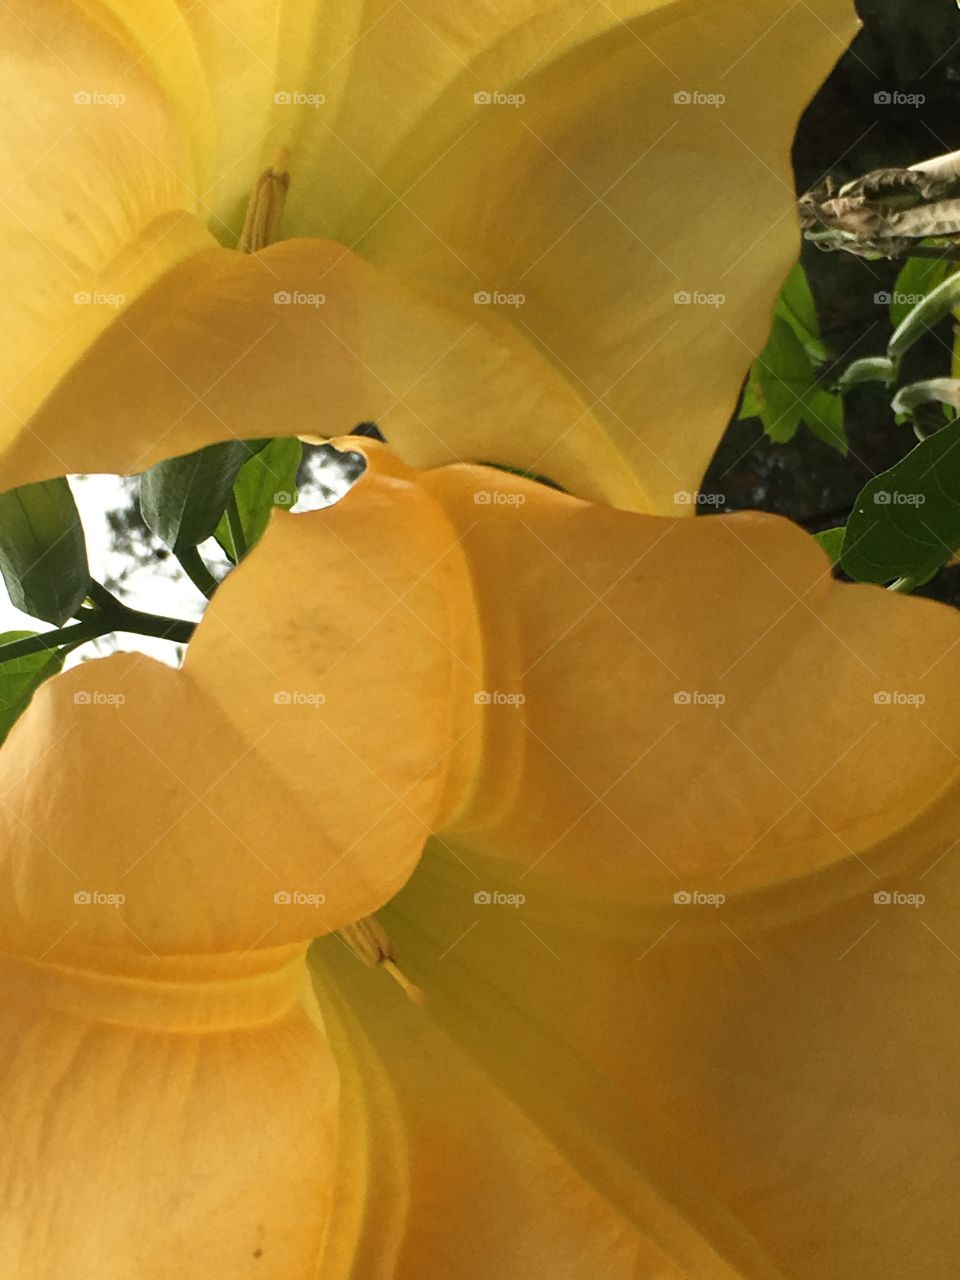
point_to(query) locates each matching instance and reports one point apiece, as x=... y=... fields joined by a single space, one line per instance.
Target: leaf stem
x=110 y=615
x=76 y=634
x=193 y=566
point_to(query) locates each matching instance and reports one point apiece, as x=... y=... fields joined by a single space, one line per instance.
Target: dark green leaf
x=906 y=522
x=832 y=541
x=183 y=499
x=20 y=677
x=43 y=555
x=269 y=480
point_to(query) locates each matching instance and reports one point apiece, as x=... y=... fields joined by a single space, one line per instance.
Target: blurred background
x=910 y=46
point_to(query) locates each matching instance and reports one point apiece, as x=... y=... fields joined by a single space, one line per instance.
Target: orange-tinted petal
x=698 y=914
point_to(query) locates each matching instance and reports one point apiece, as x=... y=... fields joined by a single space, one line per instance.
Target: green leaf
x=935 y=307
x=823 y=414
x=20 y=677
x=796 y=306
x=750 y=404
x=906 y=522
x=832 y=541
x=919 y=277
x=269 y=480
x=785 y=391
x=43 y=555
x=183 y=499
x=783 y=376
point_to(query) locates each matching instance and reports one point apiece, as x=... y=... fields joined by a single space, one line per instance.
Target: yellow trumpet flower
x=684 y=927
x=542 y=235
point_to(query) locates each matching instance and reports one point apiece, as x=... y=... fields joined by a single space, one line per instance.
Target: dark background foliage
x=912 y=46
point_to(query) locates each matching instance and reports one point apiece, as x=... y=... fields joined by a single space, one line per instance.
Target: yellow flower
x=501 y=209
x=686 y=930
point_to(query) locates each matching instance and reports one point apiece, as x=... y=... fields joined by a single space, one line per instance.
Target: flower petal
x=728 y=987
x=283 y=783
x=303 y=338
x=598 y=379
x=172 y=1120
x=99 y=194
x=488 y=1190
x=626 y=208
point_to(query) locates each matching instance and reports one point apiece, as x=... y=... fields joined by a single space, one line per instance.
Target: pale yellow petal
x=625 y=207
x=304 y=338
x=99 y=194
